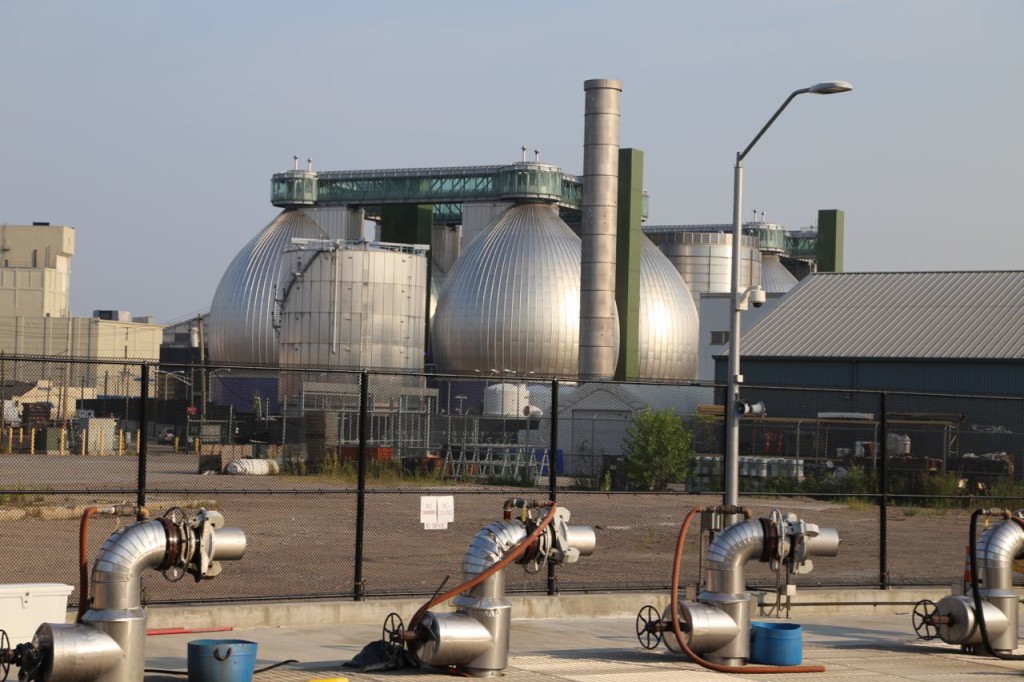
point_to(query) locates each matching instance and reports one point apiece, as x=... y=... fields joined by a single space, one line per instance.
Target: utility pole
x=202 y=370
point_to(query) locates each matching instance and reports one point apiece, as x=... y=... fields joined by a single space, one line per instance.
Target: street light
x=177 y=375
x=739 y=299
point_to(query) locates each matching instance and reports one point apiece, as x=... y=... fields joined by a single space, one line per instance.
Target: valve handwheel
x=173 y=574
x=921 y=618
x=6 y=655
x=394 y=630
x=646 y=631
x=175 y=515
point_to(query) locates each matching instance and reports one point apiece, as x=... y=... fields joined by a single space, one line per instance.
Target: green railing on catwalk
x=446 y=188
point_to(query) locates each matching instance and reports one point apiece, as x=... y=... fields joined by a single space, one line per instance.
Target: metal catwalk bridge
x=445 y=188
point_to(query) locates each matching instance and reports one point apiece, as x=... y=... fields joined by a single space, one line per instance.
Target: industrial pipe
x=474 y=639
x=681 y=639
x=513 y=554
x=83 y=537
x=1000 y=546
x=108 y=644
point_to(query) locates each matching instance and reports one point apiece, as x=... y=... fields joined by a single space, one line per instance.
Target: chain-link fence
x=360 y=484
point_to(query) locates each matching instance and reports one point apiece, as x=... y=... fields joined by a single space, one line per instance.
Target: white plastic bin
x=26 y=606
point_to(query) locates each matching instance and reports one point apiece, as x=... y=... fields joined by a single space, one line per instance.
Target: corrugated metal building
x=946 y=332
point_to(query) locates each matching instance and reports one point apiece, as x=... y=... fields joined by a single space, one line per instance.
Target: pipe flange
x=774 y=551
x=173 y=553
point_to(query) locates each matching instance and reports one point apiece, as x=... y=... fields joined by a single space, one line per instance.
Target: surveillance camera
x=758 y=297
x=744 y=408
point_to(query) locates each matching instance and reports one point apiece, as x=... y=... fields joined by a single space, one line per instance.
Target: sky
x=153 y=128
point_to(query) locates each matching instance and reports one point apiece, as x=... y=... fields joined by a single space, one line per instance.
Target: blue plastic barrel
x=221 y=660
x=776 y=643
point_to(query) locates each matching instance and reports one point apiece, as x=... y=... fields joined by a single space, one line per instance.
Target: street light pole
x=738 y=299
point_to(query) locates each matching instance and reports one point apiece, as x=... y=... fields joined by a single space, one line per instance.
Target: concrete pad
x=852 y=648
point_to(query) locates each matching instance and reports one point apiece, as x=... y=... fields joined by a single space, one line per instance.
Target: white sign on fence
x=437 y=512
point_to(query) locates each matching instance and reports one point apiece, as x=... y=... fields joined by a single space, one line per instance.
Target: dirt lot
x=301 y=533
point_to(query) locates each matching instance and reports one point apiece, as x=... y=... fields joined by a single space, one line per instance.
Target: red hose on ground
x=184 y=631
x=677 y=631
x=83 y=563
x=514 y=554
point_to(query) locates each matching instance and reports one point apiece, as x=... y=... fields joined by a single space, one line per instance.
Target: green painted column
x=411 y=224
x=627 y=261
x=406 y=223
x=830 y=240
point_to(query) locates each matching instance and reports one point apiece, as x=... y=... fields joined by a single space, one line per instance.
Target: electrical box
x=26 y=606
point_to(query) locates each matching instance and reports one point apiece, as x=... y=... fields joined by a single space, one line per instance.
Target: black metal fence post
x=140 y=497
x=359 y=587
x=553 y=473
x=883 y=491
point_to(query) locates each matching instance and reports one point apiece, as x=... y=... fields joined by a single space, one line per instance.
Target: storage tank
x=437 y=279
x=353 y=304
x=669 y=324
x=506 y=400
x=445 y=246
x=512 y=299
x=702 y=254
x=239 y=328
x=511 y=303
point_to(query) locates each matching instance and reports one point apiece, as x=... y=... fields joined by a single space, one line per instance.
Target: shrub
x=658 y=448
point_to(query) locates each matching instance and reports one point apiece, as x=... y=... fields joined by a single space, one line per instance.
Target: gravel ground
x=301 y=532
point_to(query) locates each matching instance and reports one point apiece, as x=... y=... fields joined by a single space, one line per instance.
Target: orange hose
x=677 y=631
x=514 y=554
x=83 y=563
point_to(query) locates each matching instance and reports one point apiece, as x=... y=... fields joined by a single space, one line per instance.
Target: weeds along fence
x=338 y=478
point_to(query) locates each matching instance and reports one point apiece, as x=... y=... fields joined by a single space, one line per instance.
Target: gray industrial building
x=942 y=332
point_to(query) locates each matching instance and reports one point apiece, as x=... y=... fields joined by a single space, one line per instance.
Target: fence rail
x=337 y=466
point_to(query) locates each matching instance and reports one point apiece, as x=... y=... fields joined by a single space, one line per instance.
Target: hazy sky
x=153 y=128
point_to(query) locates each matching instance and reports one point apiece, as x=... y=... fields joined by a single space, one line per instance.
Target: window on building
x=719 y=338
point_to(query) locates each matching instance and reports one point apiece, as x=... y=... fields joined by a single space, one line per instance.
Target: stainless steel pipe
x=109 y=645
x=475 y=638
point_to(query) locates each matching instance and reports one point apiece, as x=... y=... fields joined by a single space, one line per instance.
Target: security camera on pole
x=740 y=300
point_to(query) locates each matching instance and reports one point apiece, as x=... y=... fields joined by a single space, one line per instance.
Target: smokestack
x=599 y=330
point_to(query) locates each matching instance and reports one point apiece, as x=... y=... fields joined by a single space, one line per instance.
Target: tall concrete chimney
x=599 y=330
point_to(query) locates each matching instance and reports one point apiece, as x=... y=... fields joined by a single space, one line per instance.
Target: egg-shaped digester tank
x=512 y=299
x=775 y=278
x=669 y=324
x=353 y=304
x=240 y=327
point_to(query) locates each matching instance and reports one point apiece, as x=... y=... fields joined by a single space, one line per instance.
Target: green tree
x=658 y=448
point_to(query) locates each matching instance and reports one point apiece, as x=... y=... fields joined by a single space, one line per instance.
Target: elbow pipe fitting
x=997 y=549
x=108 y=645
x=729 y=551
x=475 y=637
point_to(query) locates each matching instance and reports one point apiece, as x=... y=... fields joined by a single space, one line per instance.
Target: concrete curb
x=604 y=605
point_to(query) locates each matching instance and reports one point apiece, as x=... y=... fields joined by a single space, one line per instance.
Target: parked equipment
x=715 y=630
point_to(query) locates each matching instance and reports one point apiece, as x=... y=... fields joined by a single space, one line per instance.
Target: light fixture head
x=830 y=88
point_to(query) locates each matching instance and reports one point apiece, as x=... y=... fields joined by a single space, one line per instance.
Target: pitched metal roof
x=961 y=315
